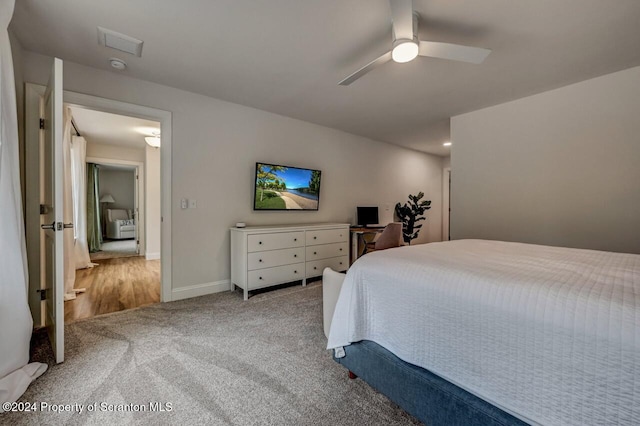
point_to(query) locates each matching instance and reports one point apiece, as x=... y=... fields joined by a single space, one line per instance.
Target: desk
x=360 y=236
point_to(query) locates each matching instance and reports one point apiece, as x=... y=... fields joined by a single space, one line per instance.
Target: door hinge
x=43 y=293
x=42 y=123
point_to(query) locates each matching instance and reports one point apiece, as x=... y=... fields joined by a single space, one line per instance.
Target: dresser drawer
x=316 y=267
x=268 y=259
x=275 y=241
x=278 y=275
x=327 y=236
x=327 y=250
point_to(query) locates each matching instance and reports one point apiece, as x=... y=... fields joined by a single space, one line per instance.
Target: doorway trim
x=446 y=200
x=33 y=92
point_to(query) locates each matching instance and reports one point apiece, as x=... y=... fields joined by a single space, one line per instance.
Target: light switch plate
x=183 y=203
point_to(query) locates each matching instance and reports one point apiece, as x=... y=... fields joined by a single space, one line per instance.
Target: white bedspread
x=549 y=334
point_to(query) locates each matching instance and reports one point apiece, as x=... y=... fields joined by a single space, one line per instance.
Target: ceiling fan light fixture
x=404 y=51
x=154 y=140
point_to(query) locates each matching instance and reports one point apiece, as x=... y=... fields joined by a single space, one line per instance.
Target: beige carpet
x=115 y=248
x=217 y=359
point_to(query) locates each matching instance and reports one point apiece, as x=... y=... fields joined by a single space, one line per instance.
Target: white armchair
x=120 y=224
x=331 y=286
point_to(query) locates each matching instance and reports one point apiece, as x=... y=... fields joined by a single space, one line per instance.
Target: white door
x=53 y=213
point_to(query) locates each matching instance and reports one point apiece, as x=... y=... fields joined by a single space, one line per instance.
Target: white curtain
x=76 y=251
x=15 y=319
x=79 y=183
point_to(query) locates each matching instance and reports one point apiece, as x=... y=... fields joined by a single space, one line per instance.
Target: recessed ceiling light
x=118 y=64
x=446 y=144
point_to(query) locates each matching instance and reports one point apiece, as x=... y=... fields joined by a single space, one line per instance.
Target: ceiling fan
x=406 y=45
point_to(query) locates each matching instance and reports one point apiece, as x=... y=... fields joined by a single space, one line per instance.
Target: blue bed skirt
x=428 y=397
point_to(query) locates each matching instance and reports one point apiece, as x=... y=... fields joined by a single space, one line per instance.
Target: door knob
x=68 y=225
x=52 y=226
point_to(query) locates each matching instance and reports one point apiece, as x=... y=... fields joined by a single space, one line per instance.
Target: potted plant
x=410 y=214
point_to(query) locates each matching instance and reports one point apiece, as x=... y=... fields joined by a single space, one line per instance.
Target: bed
x=540 y=335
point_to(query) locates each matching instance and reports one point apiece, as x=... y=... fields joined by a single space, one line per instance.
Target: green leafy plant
x=410 y=214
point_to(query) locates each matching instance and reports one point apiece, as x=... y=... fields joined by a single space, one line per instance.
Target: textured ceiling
x=287 y=56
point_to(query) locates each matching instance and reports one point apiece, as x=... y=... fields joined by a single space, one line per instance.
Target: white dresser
x=263 y=256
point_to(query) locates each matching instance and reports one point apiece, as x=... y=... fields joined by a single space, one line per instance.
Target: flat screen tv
x=286 y=188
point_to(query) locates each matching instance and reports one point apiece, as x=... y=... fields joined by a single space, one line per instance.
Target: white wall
x=120 y=184
x=559 y=168
x=113 y=152
x=446 y=162
x=152 y=202
x=215 y=147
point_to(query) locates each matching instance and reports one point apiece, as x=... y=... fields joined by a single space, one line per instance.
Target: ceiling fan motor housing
x=404 y=49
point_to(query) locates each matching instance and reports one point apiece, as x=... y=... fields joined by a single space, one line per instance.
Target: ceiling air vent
x=118 y=41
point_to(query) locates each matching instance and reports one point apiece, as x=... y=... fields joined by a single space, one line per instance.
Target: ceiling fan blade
x=454 y=52
x=362 y=71
x=402 y=19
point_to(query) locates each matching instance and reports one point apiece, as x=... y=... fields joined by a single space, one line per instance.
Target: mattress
x=548 y=334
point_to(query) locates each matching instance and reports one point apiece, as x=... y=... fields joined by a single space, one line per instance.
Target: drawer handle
x=295 y=255
x=315 y=267
x=260 y=278
x=340 y=249
x=295 y=272
x=295 y=239
x=341 y=263
x=315 y=238
x=259 y=242
x=259 y=260
x=315 y=252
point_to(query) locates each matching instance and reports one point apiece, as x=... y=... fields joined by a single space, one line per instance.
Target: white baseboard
x=200 y=289
x=152 y=256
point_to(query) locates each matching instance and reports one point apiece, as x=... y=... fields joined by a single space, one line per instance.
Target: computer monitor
x=368 y=216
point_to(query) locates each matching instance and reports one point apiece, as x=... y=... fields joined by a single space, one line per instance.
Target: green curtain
x=94 y=230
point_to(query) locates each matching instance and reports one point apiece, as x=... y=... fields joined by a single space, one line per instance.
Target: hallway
x=115 y=285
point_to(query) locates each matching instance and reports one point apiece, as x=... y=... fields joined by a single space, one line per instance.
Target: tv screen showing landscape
x=286 y=188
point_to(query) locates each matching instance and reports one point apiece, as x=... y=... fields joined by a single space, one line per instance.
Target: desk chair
x=390 y=237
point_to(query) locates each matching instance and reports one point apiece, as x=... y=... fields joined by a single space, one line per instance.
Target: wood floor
x=114 y=285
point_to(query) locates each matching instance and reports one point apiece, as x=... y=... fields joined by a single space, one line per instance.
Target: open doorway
x=46 y=223
x=446 y=203
x=120 y=213
x=118 y=204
